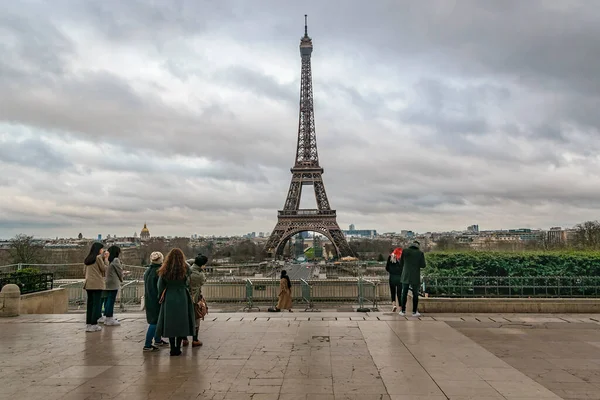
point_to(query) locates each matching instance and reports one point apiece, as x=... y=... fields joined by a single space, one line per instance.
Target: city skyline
x=429 y=117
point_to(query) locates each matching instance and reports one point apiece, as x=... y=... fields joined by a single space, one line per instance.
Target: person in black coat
x=412 y=262
x=151 y=303
x=394 y=268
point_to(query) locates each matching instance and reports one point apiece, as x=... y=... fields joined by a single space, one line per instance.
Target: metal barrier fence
x=511 y=286
x=367 y=292
x=28 y=283
x=307 y=295
x=250 y=296
x=70 y=271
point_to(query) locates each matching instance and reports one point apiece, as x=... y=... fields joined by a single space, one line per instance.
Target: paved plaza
x=316 y=355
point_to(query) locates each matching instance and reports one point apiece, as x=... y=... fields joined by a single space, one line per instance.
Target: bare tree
x=24 y=250
x=587 y=235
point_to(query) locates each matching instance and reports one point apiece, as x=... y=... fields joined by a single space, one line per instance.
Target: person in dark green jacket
x=395 y=270
x=151 y=304
x=176 y=317
x=411 y=261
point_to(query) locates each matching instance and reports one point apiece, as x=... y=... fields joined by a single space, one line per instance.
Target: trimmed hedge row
x=513 y=264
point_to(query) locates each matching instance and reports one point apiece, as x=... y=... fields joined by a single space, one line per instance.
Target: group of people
x=404 y=267
x=103 y=277
x=172 y=295
x=173 y=300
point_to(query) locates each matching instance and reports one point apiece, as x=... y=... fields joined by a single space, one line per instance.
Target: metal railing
x=28 y=283
x=75 y=292
x=511 y=286
x=367 y=292
x=307 y=295
x=70 y=271
x=250 y=296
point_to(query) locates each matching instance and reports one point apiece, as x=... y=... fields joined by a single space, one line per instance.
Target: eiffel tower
x=306 y=172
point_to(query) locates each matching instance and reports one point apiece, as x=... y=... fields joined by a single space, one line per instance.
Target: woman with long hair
x=94 y=269
x=114 y=278
x=285 y=293
x=176 y=316
x=394 y=268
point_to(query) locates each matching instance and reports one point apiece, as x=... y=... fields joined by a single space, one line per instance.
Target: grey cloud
x=500 y=111
x=33 y=153
x=259 y=84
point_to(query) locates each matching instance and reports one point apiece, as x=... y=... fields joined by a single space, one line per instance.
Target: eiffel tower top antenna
x=305 y=26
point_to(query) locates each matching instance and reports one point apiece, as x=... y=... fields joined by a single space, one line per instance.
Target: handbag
x=200 y=309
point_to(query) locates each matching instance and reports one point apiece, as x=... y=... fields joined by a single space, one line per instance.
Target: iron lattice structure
x=306 y=172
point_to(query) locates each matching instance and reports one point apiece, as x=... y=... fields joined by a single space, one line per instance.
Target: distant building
x=556 y=235
x=407 y=234
x=145 y=233
x=99 y=237
x=473 y=229
x=360 y=233
x=352 y=227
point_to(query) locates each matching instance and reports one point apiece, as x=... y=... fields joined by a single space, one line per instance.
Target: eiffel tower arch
x=306 y=172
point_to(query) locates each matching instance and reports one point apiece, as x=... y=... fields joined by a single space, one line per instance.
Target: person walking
x=114 y=279
x=197 y=279
x=285 y=293
x=176 y=315
x=412 y=261
x=394 y=268
x=151 y=304
x=94 y=270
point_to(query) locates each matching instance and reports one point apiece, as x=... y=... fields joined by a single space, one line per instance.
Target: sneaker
x=161 y=343
x=402 y=313
x=93 y=328
x=196 y=343
x=416 y=314
x=151 y=348
x=394 y=308
x=102 y=320
x=111 y=321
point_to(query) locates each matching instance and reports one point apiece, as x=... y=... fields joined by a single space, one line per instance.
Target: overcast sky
x=429 y=115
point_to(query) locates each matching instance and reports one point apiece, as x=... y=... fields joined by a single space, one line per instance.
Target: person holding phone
x=94 y=269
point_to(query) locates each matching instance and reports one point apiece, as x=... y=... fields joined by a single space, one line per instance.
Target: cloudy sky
x=430 y=115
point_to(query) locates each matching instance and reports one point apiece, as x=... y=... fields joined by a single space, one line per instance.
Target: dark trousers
x=108 y=302
x=94 y=307
x=415 y=296
x=395 y=291
x=175 y=345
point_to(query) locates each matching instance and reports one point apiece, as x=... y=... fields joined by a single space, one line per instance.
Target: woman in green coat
x=412 y=261
x=176 y=316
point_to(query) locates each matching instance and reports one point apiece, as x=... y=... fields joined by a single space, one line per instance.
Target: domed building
x=145 y=233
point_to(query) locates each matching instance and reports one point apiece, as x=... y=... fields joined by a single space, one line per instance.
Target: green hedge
x=513 y=264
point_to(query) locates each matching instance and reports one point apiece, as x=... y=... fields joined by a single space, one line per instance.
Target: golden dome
x=145 y=233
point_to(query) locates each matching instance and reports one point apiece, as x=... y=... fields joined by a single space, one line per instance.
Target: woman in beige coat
x=95 y=272
x=285 y=293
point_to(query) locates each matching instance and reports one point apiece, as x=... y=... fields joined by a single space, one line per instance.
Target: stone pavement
x=293 y=356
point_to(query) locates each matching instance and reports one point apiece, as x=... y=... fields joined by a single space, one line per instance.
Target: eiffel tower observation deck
x=306 y=172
